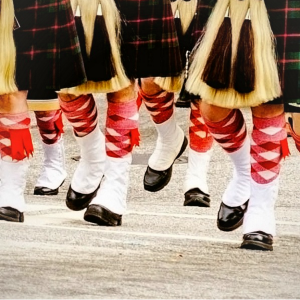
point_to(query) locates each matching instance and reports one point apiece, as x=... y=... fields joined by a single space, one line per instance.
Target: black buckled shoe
x=102 y=216
x=231 y=218
x=45 y=191
x=11 y=214
x=257 y=240
x=195 y=197
x=155 y=181
x=77 y=201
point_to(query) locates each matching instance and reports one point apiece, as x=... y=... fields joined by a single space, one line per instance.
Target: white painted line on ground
x=72 y=214
x=146 y=213
x=131 y=233
x=38 y=207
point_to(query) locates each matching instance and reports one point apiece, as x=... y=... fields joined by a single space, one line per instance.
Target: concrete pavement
x=163 y=250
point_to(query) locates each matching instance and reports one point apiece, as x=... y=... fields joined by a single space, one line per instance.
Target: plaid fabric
x=48 y=52
x=285 y=23
x=197 y=26
x=150 y=43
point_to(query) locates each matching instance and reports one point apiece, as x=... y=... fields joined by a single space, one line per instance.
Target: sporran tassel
x=112 y=21
x=81 y=35
x=267 y=84
x=218 y=67
x=244 y=65
x=178 y=26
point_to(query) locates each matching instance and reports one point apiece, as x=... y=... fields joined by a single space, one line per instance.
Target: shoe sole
x=156 y=188
x=51 y=193
x=6 y=218
x=256 y=245
x=70 y=203
x=100 y=220
x=235 y=226
x=84 y=205
x=196 y=202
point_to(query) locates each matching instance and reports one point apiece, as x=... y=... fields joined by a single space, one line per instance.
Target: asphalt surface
x=163 y=250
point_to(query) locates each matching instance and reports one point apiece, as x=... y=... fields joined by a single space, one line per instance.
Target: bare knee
x=149 y=87
x=296 y=123
x=67 y=97
x=267 y=110
x=123 y=95
x=14 y=102
x=213 y=113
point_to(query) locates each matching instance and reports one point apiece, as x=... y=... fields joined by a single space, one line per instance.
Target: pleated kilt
x=285 y=23
x=150 y=46
x=48 y=52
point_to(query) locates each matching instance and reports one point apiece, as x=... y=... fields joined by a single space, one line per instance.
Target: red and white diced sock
x=231 y=135
x=160 y=106
x=201 y=142
x=50 y=125
x=82 y=113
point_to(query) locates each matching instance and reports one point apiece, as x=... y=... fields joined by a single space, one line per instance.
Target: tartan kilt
x=287 y=34
x=150 y=46
x=48 y=52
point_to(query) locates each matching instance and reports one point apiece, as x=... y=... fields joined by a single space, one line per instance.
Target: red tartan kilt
x=150 y=46
x=48 y=52
x=287 y=34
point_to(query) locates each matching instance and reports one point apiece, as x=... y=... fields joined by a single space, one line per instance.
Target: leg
x=294 y=126
x=195 y=185
x=268 y=147
x=171 y=141
x=121 y=135
x=15 y=149
x=82 y=113
x=229 y=130
x=54 y=172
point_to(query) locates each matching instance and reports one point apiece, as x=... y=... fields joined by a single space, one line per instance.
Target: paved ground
x=162 y=250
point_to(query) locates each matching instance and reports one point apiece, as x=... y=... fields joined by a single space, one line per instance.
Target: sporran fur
x=7 y=48
x=88 y=10
x=267 y=85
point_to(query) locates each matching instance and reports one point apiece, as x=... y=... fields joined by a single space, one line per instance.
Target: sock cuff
x=221 y=123
x=15 y=121
x=122 y=115
x=76 y=104
x=230 y=132
x=160 y=94
x=269 y=129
